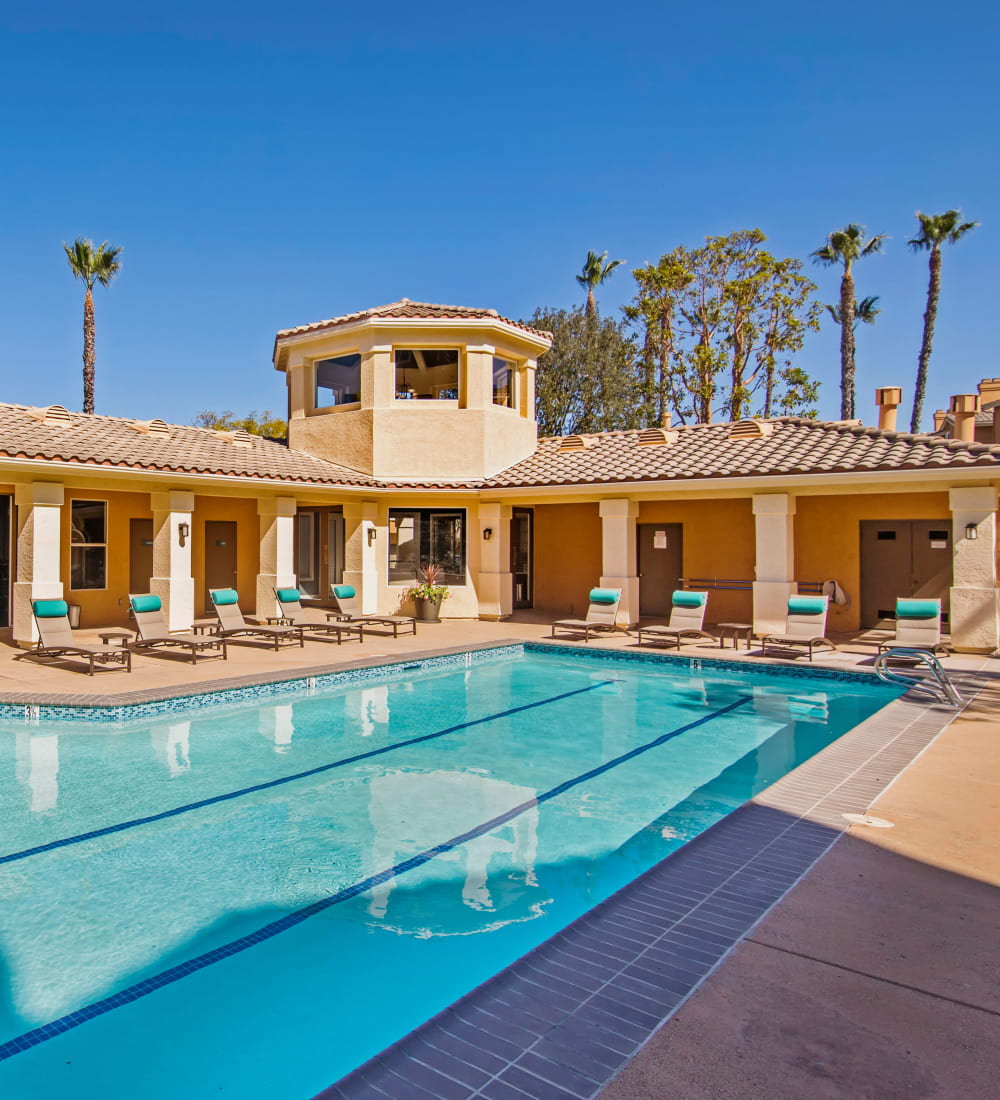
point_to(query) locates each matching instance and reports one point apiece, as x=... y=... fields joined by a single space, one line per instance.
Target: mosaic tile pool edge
x=119 y=713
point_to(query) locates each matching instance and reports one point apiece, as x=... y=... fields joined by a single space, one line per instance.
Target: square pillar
x=172 y=580
x=495 y=578
x=277 y=552
x=361 y=550
x=775 y=561
x=973 y=614
x=39 y=539
x=619 y=562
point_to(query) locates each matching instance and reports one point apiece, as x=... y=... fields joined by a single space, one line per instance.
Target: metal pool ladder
x=937 y=686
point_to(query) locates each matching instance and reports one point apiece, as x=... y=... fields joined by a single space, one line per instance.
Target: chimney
x=939 y=415
x=888 y=402
x=989 y=391
x=964 y=407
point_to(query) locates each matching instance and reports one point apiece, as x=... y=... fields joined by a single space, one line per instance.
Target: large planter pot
x=427 y=611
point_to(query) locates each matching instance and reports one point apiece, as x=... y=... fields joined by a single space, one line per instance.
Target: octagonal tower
x=413 y=391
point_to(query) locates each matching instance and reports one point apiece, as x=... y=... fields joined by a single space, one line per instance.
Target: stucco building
x=412 y=438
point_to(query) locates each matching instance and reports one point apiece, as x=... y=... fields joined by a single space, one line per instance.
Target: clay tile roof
x=795 y=446
x=114 y=441
x=405 y=308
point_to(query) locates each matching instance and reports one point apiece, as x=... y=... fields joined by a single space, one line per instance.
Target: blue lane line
x=142 y=989
x=65 y=842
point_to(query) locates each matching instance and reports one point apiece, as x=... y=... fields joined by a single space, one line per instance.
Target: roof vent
x=242 y=438
x=54 y=414
x=656 y=437
x=572 y=443
x=151 y=427
x=750 y=429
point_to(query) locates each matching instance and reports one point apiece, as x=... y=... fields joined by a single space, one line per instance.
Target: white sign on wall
x=659 y=540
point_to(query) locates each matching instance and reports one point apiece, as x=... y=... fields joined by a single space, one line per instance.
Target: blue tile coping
x=33 y=708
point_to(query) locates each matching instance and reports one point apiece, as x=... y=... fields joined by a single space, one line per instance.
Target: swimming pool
x=252 y=899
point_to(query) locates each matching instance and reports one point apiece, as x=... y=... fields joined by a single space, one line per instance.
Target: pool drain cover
x=867 y=819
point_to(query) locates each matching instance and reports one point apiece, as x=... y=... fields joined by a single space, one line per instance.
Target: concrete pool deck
x=874 y=974
x=879 y=974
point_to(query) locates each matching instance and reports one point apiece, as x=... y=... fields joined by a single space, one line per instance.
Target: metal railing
x=937 y=686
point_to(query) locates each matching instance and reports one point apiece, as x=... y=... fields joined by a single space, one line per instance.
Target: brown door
x=903 y=558
x=660 y=565
x=140 y=555
x=220 y=556
x=521 y=551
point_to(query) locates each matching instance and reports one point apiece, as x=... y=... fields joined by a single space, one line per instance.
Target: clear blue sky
x=266 y=165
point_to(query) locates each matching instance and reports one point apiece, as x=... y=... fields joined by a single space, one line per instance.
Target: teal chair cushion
x=806 y=605
x=918 y=609
x=223 y=596
x=689 y=599
x=604 y=595
x=146 y=603
x=288 y=595
x=50 y=609
x=344 y=591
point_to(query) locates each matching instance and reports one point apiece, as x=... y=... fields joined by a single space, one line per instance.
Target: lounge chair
x=601 y=614
x=55 y=639
x=918 y=626
x=687 y=618
x=347 y=609
x=152 y=631
x=294 y=614
x=232 y=624
x=805 y=625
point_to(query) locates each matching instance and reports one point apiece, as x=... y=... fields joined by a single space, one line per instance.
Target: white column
x=39 y=538
x=361 y=547
x=277 y=552
x=775 y=571
x=495 y=582
x=619 y=564
x=172 y=580
x=973 y=615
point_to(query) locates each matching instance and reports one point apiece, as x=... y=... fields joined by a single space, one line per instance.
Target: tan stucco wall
x=107 y=606
x=244 y=513
x=567 y=556
x=828 y=538
x=718 y=541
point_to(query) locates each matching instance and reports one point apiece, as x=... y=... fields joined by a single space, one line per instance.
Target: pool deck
x=779 y=954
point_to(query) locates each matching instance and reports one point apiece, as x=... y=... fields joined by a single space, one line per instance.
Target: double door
x=903 y=558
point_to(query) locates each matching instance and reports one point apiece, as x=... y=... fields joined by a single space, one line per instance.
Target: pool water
x=252 y=900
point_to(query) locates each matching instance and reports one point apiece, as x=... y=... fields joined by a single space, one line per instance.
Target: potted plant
x=428 y=594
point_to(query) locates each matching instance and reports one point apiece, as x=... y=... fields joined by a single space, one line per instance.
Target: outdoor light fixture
x=372 y=534
x=971 y=531
x=183 y=530
x=487 y=534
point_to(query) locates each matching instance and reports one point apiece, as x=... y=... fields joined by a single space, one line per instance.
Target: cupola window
x=504 y=382
x=338 y=381
x=426 y=374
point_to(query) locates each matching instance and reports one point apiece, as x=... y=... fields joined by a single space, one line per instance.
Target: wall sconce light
x=183 y=532
x=487 y=534
x=372 y=535
x=971 y=531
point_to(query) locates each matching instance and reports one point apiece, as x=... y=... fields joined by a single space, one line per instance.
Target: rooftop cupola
x=413 y=390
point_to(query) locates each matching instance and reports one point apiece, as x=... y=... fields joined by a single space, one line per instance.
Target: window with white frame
x=426 y=374
x=88 y=564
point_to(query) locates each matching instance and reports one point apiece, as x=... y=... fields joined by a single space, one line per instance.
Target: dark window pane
x=503 y=382
x=87 y=521
x=87 y=567
x=421 y=537
x=886 y=536
x=936 y=535
x=426 y=374
x=338 y=381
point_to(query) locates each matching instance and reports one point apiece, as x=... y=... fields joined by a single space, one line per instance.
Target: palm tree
x=935 y=230
x=865 y=311
x=846 y=246
x=595 y=272
x=98 y=265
